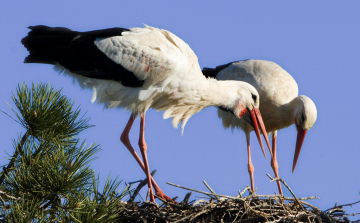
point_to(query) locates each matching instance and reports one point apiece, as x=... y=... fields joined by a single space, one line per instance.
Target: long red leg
x=274 y=163
x=143 y=148
x=124 y=138
x=250 y=166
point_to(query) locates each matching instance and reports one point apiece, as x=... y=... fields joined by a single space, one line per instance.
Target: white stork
x=280 y=104
x=138 y=69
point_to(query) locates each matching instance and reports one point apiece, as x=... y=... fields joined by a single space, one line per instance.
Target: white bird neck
x=196 y=95
x=218 y=93
x=295 y=106
x=291 y=109
x=278 y=117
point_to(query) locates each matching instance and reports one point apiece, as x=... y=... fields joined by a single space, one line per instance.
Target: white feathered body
x=173 y=80
x=277 y=90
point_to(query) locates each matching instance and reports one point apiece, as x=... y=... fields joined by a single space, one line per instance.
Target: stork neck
x=278 y=117
x=293 y=107
x=216 y=93
x=193 y=96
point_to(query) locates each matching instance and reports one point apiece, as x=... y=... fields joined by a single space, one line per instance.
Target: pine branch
x=45 y=113
x=14 y=156
x=53 y=181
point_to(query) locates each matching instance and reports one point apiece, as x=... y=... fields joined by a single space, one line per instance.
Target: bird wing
x=76 y=53
x=152 y=55
x=213 y=72
x=131 y=57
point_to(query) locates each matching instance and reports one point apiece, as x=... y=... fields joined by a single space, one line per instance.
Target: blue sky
x=317 y=42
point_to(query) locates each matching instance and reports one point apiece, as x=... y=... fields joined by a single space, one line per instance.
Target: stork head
x=305 y=118
x=245 y=105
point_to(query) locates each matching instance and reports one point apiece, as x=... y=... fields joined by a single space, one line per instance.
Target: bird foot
x=163 y=196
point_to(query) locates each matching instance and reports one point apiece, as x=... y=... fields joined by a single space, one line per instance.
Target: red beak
x=299 y=141
x=255 y=121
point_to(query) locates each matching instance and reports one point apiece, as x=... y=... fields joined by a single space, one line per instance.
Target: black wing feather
x=212 y=72
x=77 y=52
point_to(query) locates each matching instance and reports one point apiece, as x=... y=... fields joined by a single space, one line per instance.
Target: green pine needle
x=46 y=113
x=48 y=178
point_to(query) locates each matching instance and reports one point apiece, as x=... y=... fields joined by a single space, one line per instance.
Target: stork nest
x=222 y=208
x=247 y=209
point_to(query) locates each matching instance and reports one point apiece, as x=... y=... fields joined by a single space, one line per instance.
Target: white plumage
x=280 y=104
x=159 y=58
x=156 y=70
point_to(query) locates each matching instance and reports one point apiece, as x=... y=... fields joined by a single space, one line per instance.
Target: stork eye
x=302 y=118
x=254 y=97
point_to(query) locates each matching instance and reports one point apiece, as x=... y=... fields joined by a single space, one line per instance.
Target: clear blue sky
x=317 y=42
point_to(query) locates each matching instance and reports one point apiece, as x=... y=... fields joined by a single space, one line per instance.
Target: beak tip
x=299 y=142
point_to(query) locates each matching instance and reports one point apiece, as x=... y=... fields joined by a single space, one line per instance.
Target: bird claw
x=163 y=196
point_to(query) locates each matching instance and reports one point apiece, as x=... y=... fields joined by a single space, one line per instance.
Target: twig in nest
x=210 y=189
x=286 y=198
x=202 y=192
x=190 y=216
x=186 y=199
x=247 y=188
x=200 y=201
x=148 y=194
x=138 y=188
x=287 y=186
x=340 y=206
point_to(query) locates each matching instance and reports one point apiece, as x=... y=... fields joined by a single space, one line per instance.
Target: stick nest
x=247 y=209
x=223 y=208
